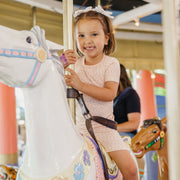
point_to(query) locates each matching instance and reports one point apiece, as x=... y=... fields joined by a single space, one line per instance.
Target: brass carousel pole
x=68 y=40
x=34 y=15
x=98 y=2
x=172 y=66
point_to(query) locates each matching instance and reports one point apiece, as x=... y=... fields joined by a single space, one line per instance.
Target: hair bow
x=98 y=9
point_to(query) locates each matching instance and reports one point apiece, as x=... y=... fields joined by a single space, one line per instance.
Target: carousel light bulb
x=138 y=76
x=137 y=22
x=153 y=76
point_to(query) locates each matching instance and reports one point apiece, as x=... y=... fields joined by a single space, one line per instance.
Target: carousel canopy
x=138 y=46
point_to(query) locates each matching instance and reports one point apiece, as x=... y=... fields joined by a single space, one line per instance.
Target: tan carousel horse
x=153 y=137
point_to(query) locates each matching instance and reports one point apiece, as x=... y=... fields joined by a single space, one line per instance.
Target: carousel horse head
x=31 y=46
x=7 y=173
x=152 y=136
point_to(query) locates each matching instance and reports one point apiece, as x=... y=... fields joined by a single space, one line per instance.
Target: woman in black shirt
x=126 y=106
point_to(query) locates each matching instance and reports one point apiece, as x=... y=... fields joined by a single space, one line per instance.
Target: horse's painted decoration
x=7 y=173
x=153 y=137
x=54 y=148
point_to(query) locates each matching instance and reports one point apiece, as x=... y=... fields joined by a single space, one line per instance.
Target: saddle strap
x=104 y=162
x=73 y=93
x=106 y=122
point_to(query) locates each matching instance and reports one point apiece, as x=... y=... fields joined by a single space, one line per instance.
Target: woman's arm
x=106 y=93
x=132 y=123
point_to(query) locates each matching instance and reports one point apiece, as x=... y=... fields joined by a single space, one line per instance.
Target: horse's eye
x=28 y=39
x=154 y=131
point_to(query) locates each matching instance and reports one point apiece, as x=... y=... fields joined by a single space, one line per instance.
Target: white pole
x=68 y=39
x=172 y=66
x=67 y=23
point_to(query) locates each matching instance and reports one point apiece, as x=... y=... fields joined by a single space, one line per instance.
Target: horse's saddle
x=112 y=167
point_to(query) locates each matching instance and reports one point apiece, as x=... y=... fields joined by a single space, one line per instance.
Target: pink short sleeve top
x=107 y=69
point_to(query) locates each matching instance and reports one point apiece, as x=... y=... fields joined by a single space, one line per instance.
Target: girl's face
x=90 y=38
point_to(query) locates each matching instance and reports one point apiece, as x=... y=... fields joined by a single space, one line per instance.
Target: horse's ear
x=164 y=121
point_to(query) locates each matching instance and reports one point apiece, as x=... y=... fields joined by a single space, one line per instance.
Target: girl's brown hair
x=107 y=27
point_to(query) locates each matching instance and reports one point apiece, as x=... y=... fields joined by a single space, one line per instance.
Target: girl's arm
x=106 y=93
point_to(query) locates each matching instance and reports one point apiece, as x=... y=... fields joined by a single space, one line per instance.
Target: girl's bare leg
x=126 y=164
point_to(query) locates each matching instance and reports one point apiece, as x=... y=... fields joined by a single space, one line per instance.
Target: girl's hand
x=73 y=80
x=68 y=57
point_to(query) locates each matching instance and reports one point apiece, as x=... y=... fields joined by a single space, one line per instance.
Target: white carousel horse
x=54 y=149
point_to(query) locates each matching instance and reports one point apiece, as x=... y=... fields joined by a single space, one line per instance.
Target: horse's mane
x=58 y=64
x=149 y=122
x=40 y=35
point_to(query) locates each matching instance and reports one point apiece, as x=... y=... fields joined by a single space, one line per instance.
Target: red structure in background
x=145 y=89
x=160 y=81
x=8 y=126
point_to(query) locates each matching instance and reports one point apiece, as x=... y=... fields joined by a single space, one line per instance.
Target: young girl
x=96 y=75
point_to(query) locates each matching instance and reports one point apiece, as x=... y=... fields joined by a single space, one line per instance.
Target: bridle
x=161 y=135
x=39 y=56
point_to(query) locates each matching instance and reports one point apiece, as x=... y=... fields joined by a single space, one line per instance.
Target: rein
x=160 y=137
x=39 y=56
